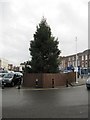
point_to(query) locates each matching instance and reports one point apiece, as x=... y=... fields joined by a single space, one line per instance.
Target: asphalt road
x=0 y=103
x=69 y=102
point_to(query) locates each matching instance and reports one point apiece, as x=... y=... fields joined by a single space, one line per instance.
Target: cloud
x=19 y=19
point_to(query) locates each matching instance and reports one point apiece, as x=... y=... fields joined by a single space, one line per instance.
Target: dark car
x=11 y=79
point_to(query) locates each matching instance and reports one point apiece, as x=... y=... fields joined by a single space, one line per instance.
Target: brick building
x=83 y=60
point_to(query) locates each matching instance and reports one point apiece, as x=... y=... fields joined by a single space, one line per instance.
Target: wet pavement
x=80 y=81
x=71 y=102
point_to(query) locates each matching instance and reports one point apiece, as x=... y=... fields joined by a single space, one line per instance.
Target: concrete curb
x=79 y=84
x=59 y=87
x=81 y=81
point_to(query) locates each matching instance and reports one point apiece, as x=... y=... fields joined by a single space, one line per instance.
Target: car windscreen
x=8 y=75
x=2 y=75
x=3 y=71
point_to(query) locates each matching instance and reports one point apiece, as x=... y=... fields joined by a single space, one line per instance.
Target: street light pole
x=76 y=60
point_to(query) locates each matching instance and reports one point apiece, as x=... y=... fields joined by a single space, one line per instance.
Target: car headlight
x=88 y=81
x=0 y=78
x=3 y=80
x=10 y=79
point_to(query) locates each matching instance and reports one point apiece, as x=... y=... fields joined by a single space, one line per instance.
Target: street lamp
x=76 y=59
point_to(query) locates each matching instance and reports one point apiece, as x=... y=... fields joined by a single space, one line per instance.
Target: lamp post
x=76 y=60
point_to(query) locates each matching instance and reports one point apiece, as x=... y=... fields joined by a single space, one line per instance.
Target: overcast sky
x=19 y=18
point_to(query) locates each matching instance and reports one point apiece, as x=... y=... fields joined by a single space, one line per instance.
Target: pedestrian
x=78 y=74
x=2 y=85
x=68 y=83
x=52 y=83
x=19 y=82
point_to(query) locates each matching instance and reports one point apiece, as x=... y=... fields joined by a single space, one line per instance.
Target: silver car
x=88 y=83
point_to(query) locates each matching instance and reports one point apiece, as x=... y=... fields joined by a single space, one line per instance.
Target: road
x=71 y=102
x=0 y=104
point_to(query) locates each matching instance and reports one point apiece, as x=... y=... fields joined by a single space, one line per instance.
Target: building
x=22 y=66
x=83 y=60
x=3 y=64
x=10 y=66
x=16 y=68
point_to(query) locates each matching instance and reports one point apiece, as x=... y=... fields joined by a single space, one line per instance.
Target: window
x=78 y=63
x=73 y=63
x=68 y=64
x=85 y=57
x=73 y=58
x=86 y=65
x=82 y=65
x=69 y=58
x=82 y=57
x=77 y=56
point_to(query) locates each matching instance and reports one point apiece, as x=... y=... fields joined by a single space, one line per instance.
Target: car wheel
x=2 y=87
x=12 y=84
x=87 y=88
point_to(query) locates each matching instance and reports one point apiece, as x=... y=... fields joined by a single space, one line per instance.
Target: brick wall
x=29 y=79
x=45 y=80
x=59 y=80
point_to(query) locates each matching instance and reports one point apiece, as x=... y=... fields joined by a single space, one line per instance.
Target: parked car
x=3 y=71
x=19 y=73
x=88 y=74
x=88 y=83
x=67 y=71
x=11 y=79
x=1 y=77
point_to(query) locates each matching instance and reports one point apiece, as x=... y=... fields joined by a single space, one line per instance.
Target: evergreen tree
x=44 y=50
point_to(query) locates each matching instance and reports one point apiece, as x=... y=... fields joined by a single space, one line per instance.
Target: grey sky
x=18 y=18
